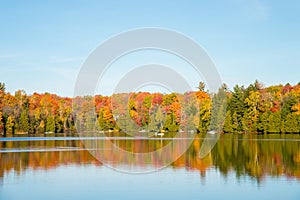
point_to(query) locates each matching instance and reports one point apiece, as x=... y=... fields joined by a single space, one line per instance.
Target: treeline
x=36 y=113
x=274 y=109
x=255 y=108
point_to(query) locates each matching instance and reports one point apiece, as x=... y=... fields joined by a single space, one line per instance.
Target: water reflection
x=256 y=156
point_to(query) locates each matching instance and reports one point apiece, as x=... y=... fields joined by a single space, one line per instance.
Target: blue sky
x=44 y=43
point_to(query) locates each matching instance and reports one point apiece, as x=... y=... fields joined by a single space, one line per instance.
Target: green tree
x=170 y=123
x=50 y=125
x=287 y=104
x=157 y=119
x=201 y=86
x=24 y=121
x=274 y=122
x=228 y=123
x=2 y=87
x=219 y=103
x=263 y=122
x=291 y=124
x=236 y=104
x=235 y=122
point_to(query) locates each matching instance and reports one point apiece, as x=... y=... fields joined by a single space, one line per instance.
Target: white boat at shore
x=159 y=134
x=49 y=132
x=212 y=132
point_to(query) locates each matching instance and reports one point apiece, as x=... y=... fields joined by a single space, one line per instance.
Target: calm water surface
x=239 y=167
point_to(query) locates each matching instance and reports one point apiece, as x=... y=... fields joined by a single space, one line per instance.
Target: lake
x=240 y=166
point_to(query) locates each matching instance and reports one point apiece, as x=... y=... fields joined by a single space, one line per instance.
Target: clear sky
x=44 y=43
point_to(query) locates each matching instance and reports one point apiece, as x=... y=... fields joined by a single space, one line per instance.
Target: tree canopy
x=254 y=108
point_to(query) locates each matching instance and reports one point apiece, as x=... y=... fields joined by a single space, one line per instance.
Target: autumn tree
x=205 y=106
x=250 y=118
x=105 y=119
x=10 y=125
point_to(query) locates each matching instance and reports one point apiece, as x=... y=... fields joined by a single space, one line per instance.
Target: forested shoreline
x=257 y=109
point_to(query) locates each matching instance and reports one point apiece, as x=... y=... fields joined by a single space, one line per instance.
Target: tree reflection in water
x=251 y=155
